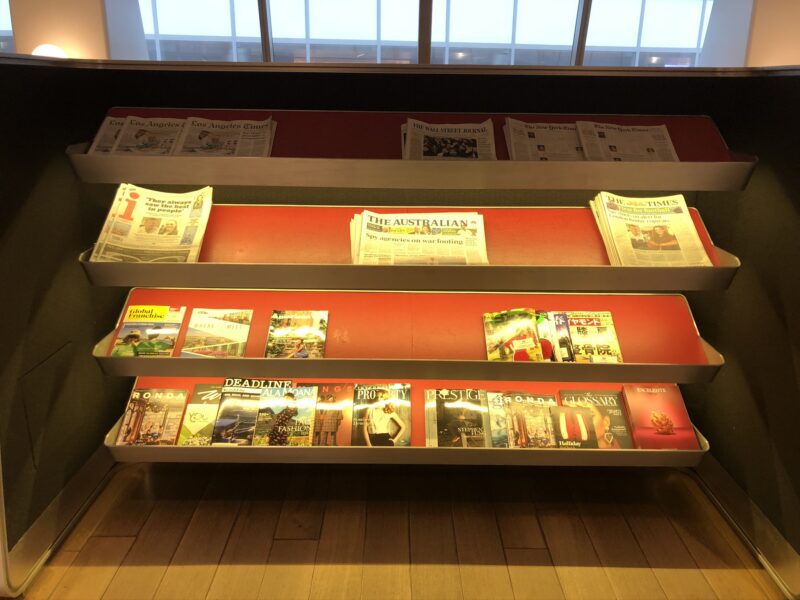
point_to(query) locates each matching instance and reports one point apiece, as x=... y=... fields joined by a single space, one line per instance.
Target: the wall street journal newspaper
x=149 y=226
x=470 y=141
x=455 y=238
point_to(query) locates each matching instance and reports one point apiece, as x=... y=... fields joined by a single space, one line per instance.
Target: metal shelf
x=411 y=174
x=413 y=455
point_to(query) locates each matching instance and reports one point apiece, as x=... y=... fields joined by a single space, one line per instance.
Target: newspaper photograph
x=205 y=137
x=107 y=135
x=649 y=231
x=603 y=141
x=455 y=238
x=471 y=141
x=543 y=141
x=157 y=136
x=149 y=226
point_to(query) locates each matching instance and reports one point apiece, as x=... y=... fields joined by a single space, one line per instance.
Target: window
x=366 y=31
x=6 y=33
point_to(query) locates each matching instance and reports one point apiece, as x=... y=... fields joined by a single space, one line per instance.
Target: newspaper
x=148 y=226
x=648 y=231
x=542 y=141
x=603 y=141
x=470 y=141
x=204 y=137
x=148 y=136
x=448 y=238
x=107 y=135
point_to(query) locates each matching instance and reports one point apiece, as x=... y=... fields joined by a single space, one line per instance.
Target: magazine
x=201 y=414
x=593 y=337
x=148 y=331
x=467 y=141
x=457 y=418
x=443 y=238
x=658 y=417
x=204 y=137
x=297 y=334
x=499 y=419
x=529 y=422
x=333 y=420
x=608 y=417
x=542 y=141
x=285 y=416
x=156 y=136
x=604 y=141
x=217 y=333
x=238 y=410
x=382 y=415
x=573 y=427
x=107 y=135
x=648 y=231
x=511 y=335
x=149 y=226
x=152 y=417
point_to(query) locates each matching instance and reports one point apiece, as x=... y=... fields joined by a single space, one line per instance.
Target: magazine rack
x=317 y=149
x=546 y=248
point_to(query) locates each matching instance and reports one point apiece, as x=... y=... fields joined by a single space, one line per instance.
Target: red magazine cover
x=658 y=417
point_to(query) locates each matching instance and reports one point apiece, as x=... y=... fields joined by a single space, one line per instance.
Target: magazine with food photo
x=511 y=335
x=297 y=334
x=148 y=331
x=217 y=333
x=460 y=417
x=607 y=409
x=382 y=415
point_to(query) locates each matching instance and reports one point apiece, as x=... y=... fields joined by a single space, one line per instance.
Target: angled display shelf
x=417 y=453
x=428 y=335
x=529 y=248
x=319 y=149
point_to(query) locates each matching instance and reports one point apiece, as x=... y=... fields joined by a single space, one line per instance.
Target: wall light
x=50 y=50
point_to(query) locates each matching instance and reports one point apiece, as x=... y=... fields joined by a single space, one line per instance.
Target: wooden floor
x=244 y=531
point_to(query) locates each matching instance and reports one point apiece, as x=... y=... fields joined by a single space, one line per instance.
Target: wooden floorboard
x=265 y=532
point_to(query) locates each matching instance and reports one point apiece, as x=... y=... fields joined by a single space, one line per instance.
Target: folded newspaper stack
x=586 y=140
x=192 y=136
x=148 y=226
x=469 y=141
x=648 y=232
x=449 y=238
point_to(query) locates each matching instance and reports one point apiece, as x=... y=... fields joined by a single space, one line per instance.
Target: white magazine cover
x=626 y=143
x=649 y=231
x=446 y=238
x=107 y=135
x=206 y=137
x=466 y=141
x=156 y=136
x=149 y=226
x=543 y=141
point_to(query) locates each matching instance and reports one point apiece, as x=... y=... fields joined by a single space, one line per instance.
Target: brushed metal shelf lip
x=410 y=455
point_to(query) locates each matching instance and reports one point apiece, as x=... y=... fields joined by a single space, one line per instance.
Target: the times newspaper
x=149 y=226
x=204 y=137
x=648 y=231
x=470 y=141
x=448 y=238
x=542 y=141
x=603 y=141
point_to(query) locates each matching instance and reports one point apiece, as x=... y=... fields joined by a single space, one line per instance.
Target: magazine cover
x=148 y=331
x=548 y=341
x=530 y=423
x=594 y=339
x=382 y=415
x=236 y=419
x=217 y=333
x=285 y=416
x=297 y=334
x=511 y=335
x=499 y=419
x=155 y=136
x=333 y=420
x=658 y=417
x=152 y=417
x=461 y=417
x=559 y=324
x=609 y=421
x=201 y=414
x=573 y=427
